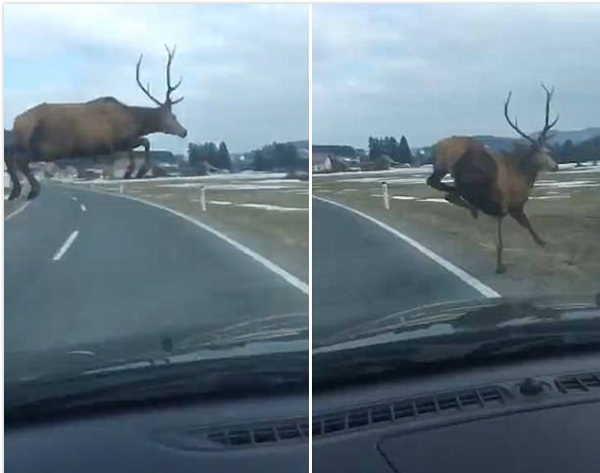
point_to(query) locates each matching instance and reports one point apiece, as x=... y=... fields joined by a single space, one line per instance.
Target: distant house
x=321 y=162
x=380 y=163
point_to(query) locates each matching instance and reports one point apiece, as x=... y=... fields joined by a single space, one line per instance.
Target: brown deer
x=495 y=183
x=51 y=132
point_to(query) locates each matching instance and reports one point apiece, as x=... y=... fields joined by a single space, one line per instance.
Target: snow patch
x=434 y=199
x=561 y=196
x=228 y=187
x=566 y=184
x=276 y=208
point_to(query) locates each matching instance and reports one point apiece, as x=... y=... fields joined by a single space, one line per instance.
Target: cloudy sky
x=244 y=67
x=429 y=71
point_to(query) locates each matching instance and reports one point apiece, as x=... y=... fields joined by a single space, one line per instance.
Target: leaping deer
x=49 y=132
x=495 y=183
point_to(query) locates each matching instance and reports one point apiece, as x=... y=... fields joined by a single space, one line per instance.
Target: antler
x=170 y=88
x=547 y=127
x=514 y=125
x=146 y=90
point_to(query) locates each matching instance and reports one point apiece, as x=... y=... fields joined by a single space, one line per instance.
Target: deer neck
x=147 y=119
x=528 y=170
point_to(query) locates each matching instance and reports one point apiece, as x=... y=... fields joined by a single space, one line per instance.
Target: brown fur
x=508 y=177
x=486 y=180
x=495 y=183
x=103 y=126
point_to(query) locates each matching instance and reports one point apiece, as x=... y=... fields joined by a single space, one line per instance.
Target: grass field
x=564 y=208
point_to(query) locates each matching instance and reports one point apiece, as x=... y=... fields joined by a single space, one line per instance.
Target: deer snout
x=183 y=133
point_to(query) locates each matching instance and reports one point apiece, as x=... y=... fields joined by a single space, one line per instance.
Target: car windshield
x=456 y=170
x=156 y=196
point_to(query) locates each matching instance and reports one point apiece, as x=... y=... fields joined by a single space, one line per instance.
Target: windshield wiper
x=332 y=368
x=96 y=391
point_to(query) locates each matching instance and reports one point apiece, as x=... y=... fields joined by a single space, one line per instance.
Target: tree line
x=398 y=151
x=568 y=152
x=276 y=157
x=199 y=155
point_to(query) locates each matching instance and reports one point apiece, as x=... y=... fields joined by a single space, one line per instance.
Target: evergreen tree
x=404 y=154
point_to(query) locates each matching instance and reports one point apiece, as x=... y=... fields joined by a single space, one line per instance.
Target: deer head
x=538 y=153
x=167 y=119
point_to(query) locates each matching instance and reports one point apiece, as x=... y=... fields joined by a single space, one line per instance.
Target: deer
x=100 y=127
x=497 y=184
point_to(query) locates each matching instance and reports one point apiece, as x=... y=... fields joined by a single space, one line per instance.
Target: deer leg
x=435 y=181
x=130 y=167
x=147 y=161
x=11 y=168
x=456 y=199
x=500 y=268
x=35 y=185
x=521 y=218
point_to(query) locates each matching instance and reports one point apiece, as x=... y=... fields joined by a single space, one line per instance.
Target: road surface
x=87 y=268
x=361 y=272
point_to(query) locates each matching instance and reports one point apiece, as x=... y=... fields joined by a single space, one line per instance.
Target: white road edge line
x=459 y=273
x=282 y=273
x=18 y=211
x=83 y=207
x=65 y=246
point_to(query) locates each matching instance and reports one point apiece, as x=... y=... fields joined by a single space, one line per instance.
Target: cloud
x=428 y=71
x=244 y=67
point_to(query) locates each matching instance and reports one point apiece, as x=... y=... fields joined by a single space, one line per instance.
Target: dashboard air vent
x=583 y=382
x=409 y=409
x=244 y=436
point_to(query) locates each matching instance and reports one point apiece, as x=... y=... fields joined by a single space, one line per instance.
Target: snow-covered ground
x=543 y=183
x=250 y=205
x=240 y=176
x=586 y=166
x=226 y=187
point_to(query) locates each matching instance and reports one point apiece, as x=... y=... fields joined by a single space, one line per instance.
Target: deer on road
x=492 y=182
x=51 y=132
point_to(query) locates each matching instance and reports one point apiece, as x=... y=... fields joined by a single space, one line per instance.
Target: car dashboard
x=541 y=415
x=250 y=435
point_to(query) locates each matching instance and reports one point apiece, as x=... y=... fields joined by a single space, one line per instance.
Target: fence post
x=203 y=198
x=386 y=196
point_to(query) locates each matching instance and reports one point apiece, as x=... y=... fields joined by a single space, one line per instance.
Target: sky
x=245 y=67
x=431 y=71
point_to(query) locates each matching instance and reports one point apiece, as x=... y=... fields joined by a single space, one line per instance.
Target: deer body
x=492 y=182
x=103 y=126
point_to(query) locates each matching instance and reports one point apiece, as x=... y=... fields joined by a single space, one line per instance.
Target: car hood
x=274 y=334
x=463 y=316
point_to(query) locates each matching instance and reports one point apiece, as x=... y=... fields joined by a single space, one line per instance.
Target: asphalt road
x=87 y=268
x=362 y=272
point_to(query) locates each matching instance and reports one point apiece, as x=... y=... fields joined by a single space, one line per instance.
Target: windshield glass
x=456 y=175
x=156 y=195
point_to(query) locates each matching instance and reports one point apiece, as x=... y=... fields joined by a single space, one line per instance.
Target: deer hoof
x=14 y=194
x=475 y=214
x=33 y=194
x=542 y=243
x=501 y=269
